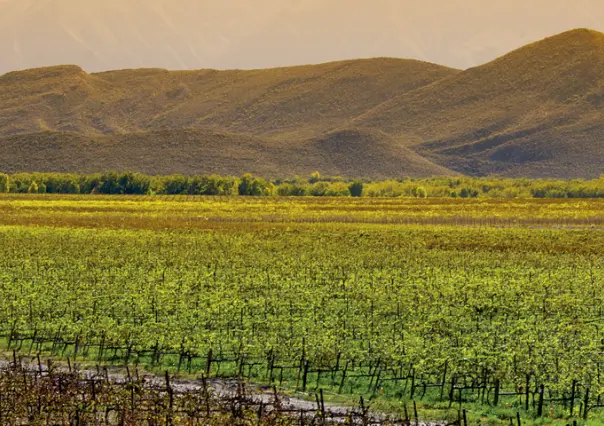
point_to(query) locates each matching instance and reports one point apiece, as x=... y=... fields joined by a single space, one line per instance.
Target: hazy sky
x=177 y=34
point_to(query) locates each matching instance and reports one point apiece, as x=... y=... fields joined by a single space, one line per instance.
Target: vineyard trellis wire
x=454 y=389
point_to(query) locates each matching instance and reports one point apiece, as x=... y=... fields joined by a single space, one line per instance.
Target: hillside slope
x=534 y=112
x=297 y=102
x=357 y=153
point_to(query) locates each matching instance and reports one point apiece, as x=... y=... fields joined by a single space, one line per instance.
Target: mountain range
x=535 y=112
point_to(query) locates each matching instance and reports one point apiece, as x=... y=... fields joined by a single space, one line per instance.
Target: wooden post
x=377 y=382
x=496 y=398
x=412 y=384
x=171 y=401
x=452 y=391
x=365 y=420
x=540 y=406
x=343 y=378
x=586 y=404
x=101 y=347
x=299 y=373
x=442 y=388
x=415 y=414
x=322 y=406
x=335 y=370
x=209 y=363
x=305 y=375
x=241 y=365
x=93 y=388
x=572 y=398
x=526 y=392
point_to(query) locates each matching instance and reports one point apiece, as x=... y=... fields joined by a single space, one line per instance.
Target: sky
x=223 y=34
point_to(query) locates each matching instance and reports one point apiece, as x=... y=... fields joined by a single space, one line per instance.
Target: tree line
x=315 y=185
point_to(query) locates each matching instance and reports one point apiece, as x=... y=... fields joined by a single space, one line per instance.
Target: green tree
x=270 y=189
x=319 y=189
x=90 y=184
x=338 y=189
x=175 y=185
x=250 y=185
x=218 y=185
x=198 y=185
x=69 y=186
x=356 y=189
x=4 y=182
x=33 y=188
x=291 y=190
x=468 y=193
x=61 y=184
x=420 y=192
x=109 y=183
x=134 y=183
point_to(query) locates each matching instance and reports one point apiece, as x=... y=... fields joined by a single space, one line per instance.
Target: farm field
x=496 y=306
x=199 y=212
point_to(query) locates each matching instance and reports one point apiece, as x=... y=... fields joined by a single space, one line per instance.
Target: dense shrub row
x=315 y=185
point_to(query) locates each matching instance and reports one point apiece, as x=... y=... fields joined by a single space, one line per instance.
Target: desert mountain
x=354 y=152
x=534 y=112
x=273 y=122
x=299 y=101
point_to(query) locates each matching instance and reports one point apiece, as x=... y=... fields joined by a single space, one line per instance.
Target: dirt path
x=225 y=389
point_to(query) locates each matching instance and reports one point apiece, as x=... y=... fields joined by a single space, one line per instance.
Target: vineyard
x=39 y=393
x=448 y=304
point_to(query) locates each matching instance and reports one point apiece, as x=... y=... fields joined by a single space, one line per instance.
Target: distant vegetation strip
x=187 y=212
x=129 y=183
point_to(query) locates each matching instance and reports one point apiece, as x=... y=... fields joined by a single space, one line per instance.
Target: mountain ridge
x=534 y=112
x=279 y=100
x=520 y=96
